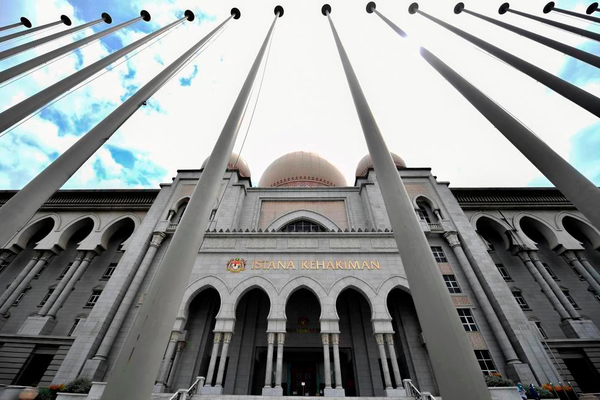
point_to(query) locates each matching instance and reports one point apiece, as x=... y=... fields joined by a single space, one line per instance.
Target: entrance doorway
x=304 y=371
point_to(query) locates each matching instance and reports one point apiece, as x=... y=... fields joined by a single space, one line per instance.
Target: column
x=588 y=266
x=63 y=282
x=575 y=261
x=166 y=364
x=224 y=351
x=171 y=215
x=89 y=256
x=22 y=275
x=269 y=373
x=383 y=358
x=325 y=338
x=213 y=359
x=280 y=341
x=39 y=264
x=335 y=341
x=389 y=339
x=488 y=310
x=179 y=347
x=545 y=288
x=553 y=285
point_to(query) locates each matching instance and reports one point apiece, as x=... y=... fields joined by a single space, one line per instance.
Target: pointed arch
x=543 y=227
x=198 y=286
x=303 y=214
x=69 y=230
x=502 y=228
x=115 y=225
x=589 y=231
x=49 y=222
x=256 y=282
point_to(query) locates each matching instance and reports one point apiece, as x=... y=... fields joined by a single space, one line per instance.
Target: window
x=503 y=272
x=452 y=284
x=181 y=211
x=485 y=361
x=94 y=298
x=596 y=295
x=64 y=272
x=438 y=254
x=520 y=299
x=423 y=214
x=109 y=271
x=75 y=325
x=581 y=277
x=213 y=214
x=550 y=272
x=39 y=273
x=467 y=320
x=540 y=329
x=21 y=295
x=3 y=265
x=571 y=300
x=302 y=226
x=46 y=297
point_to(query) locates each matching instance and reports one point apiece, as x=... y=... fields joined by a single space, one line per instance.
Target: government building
x=298 y=288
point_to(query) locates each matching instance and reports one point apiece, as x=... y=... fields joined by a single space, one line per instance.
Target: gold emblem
x=236 y=265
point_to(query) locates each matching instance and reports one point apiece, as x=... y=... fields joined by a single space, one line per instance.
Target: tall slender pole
x=577 y=188
x=504 y=8
x=558 y=46
x=44 y=58
x=447 y=343
x=592 y=8
x=24 y=47
x=24 y=21
x=17 y=211
x=63 y=20
x=550 y=7
x=140 y=357
x=578 y=96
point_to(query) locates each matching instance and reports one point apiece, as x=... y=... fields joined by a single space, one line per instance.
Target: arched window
x=302 y=225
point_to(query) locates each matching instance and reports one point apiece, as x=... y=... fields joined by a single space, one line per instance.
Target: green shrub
x=79 y=385
x=498 y=381
x=543 y=393
x=45 y=394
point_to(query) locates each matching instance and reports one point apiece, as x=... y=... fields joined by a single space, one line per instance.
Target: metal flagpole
x=558 y=46
x=550 y=7
x=24 y=21
x=504 y=8
x=592 y=8
x=24 y=47
x=578 y=96
x=447 y=343
x=17 y=211
x=141 y=355
x=63 y=20
x=44 y=58
x=577 y=188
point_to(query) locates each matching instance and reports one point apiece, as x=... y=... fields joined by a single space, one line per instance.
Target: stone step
x=239 y=397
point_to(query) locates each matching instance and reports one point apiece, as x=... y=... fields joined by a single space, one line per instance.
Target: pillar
x=384 y=365
x=389 y=339
x=325 y=339
x=89 y=256
x=588 y=266
x=335 y=341
x=223 y=362
x=573 y=260
x=179 y=347
x=279 y=367
x=39 y=264
x=20 y=278
x=213 y=359
x=553 y=285
x=163 y=373
x=543 y=285
x=269 y=373
x=63 y=282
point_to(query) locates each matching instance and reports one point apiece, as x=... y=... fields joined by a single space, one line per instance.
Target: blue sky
x=305 y=104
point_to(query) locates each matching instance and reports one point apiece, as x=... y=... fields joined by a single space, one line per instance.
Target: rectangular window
x=39 y=273
x=423 y=215
x=3 y=265
x=46 y=297
x=596 y=295
x=485 y=361
x=94 y=298
x=541 y=330
x=109 y=271
x=20 y=297
x=550 y=272
x=452 y=284
x=581 y=277
x=571 y=300
x=467 y=320
x=64 y=272
x=503 y=272
x=520 y=300
x=438 y=254
x=75 y=324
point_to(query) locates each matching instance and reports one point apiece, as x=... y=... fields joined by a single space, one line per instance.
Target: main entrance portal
x=305 y=369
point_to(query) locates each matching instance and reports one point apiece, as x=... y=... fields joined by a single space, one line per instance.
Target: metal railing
x=186 y=394
x=411 y=390
x=436 y=227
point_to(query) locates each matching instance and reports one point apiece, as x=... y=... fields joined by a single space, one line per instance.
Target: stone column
x=163 y=373
x=545 y=288
x=325 y=338
x=335 y=341
x=488 y=310
x=572 y=259
x=213 y=359
x=389 y=339
x=179 y=347
x=22 y=284
x=171 y=215
x=382 y=356
x=280 y=342
x=269 y=373
x=586 y=264
x=89 y=256
x=553 y=285
x=63 y=282
x=20 y=278
x=224 y=351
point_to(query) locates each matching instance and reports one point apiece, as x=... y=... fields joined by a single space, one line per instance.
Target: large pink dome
x=299 y=169
x=235 y=163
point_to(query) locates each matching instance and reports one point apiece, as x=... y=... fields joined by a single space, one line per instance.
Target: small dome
x=363 y=166
x=299 y=169
x=235 y=163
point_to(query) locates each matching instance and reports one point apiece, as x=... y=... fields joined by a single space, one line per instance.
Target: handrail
x=188 y=393
x=411 y=390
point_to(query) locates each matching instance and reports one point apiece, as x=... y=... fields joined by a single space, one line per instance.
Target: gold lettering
x=291 y=265
x=366 y=264
x=375 y=264
x=312 y=264
x=271 y=265
x=354 y=265
x=321 y=263
x=281 y=264
x=304 y=264
x=338 y=264
x=330 y=263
